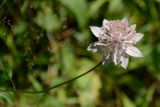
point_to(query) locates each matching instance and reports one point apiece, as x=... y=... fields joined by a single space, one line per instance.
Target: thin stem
x=55 y=86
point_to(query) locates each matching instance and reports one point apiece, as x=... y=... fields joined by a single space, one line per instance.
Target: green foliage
x=8 y=97
x=79 y=9
x=43 y=43
x=47 y=20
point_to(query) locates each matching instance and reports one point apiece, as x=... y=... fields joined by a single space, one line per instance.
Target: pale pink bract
x=116 y=39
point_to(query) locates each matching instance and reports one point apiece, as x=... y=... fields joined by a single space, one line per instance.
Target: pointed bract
x=124 y=62
x=105 y=22
x=137 y=37
x=133 y=26
x=133 y=51
x=124 y=20
x=96 y=31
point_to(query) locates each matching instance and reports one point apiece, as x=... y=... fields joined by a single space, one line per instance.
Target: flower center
x=117 y=38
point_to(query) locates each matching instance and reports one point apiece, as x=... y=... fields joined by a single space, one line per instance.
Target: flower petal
x=137 y=37
x=133 y=51
x=96 y=31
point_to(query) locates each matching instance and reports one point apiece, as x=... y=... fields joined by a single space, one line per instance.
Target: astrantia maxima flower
x=116 y=39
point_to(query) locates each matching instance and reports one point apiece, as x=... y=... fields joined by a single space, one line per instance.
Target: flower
x=116 y=38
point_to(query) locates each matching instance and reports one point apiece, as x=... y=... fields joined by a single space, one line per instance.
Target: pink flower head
x=116 y=39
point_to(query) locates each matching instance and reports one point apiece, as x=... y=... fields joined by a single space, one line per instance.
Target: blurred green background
x=43 y=43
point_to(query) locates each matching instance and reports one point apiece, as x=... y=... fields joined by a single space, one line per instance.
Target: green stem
x=55 y=86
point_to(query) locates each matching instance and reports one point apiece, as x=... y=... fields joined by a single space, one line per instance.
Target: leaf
x=35 y=83
x=8 y=97
x=79 y=9
x=115 y=5
x=87 y=86
x=133 y=82
x=148 y=98
x=95 y=6
x=48 y=20
x=3 y=78
x=1 y=5
x=20 y=27
x=9 y=70
x=127 y=102
x=5 y=73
